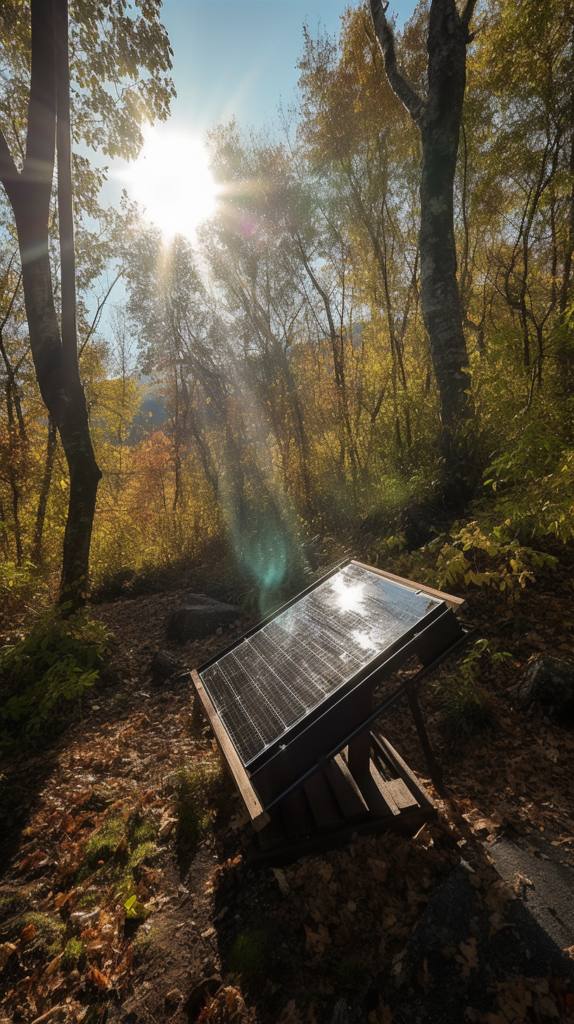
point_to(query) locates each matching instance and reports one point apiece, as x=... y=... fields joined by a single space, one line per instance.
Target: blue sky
x=238 y=57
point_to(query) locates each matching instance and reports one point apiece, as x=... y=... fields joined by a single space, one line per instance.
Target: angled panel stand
x=297 y=690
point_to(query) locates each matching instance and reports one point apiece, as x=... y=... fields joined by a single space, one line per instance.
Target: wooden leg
x=434 y=767
x=359 y=753
x=359 y=749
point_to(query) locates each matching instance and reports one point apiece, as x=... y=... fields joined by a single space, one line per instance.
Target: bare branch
x=402 y=89
x=98 y=314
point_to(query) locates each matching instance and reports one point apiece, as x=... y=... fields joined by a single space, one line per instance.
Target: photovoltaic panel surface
x=276 y=677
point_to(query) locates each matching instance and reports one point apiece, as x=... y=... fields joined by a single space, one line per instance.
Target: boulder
x=547 y=683
x=199 y=616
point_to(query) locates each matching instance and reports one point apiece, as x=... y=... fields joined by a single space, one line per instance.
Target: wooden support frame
x=456 y=603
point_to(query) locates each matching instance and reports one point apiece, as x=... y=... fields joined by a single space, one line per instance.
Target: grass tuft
x=198 y=788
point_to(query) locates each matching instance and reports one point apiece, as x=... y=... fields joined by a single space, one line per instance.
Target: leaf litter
x=217 y=941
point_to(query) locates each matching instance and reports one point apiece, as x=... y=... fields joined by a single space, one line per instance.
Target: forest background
x=292 y=413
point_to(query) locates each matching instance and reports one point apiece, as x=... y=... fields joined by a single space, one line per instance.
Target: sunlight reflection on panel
x=172 y=180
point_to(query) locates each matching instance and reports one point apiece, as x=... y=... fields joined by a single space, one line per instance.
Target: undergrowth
x=467 y=708
x=118 y=853
x=45 y=671
x=198 y=788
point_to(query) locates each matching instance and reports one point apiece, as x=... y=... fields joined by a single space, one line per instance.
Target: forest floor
x=112 y=804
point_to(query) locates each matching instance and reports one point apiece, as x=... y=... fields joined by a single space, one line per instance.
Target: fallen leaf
x=28 y=933
x=97 y=978
x=6 y=950
x=468 y=957
x=315 y=942
x=31 y=860
x=165 y=827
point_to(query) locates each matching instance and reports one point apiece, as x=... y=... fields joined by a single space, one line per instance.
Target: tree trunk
x=439 y=119
x=54 y=354
x=36 y=553
x=440 y=128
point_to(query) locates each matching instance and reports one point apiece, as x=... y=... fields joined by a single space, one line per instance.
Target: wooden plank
x=297 y=816
x=403 y=798
x=257 y=813
x=347 y=793
x=359 y=749
x=456 y=603
x=384 y=788
x=403 y=771
x=378 y=806
x=406 y=823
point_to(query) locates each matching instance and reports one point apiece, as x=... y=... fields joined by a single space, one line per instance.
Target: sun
x=171 y=179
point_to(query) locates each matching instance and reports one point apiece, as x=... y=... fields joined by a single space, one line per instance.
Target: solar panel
x=288 y=668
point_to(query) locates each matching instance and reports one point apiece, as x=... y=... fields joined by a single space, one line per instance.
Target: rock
x=163 y=666
x=199 y=616
x=549 y=684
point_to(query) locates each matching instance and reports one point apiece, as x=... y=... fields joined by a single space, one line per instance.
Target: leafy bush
x=18 y=585
x=490 y=558
x=52 y=666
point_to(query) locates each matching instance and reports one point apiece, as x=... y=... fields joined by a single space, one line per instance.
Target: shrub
x=52 y=666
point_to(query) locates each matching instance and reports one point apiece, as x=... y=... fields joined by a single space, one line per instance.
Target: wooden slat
x=368 y=783
x=347 y=793
x=456 y=603
x=322 y=802
x=403 y=798
x=255 y=809
x=403 y=771
x=406 y=823
x=385 y=789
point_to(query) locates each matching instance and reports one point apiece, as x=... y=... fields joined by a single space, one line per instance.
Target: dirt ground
x=101 y=813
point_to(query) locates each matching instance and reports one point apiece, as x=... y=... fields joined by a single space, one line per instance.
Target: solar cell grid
x=273 y=679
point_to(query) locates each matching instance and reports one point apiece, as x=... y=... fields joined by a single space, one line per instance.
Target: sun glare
x=171 y=179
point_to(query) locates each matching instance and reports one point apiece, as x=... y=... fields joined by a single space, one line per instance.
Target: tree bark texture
x=439 y=118
x=54 y=350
